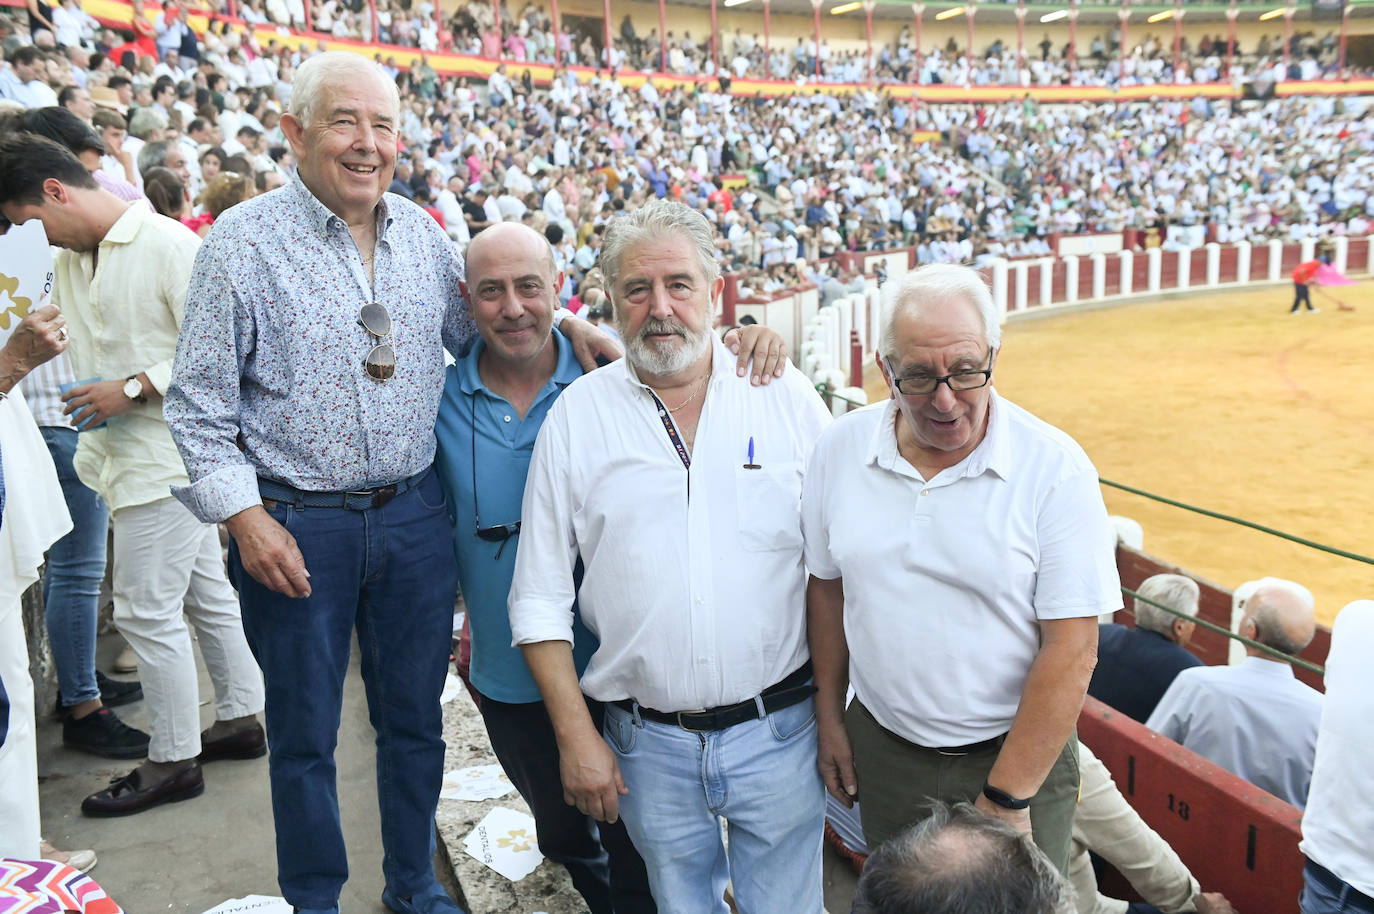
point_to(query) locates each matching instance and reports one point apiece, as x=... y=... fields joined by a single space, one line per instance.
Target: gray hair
x=145 y=121
x=1173 y=590
x=931 y=284
x=960 y=861
x=329 y=69
x=153 y=155
x=654 y=220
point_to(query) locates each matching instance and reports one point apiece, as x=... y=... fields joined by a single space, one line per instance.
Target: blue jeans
x=1324 y=893
x=76 y=566
x=760 y=776
x=391 y=572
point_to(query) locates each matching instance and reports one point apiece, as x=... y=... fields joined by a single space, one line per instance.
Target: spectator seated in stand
x=1255 y=719
x=1135 y=666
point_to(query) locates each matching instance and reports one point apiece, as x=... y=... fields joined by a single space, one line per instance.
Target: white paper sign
x=453 y=687
x=25 y=274
x=505 y=841
x=253 y=904
x=480 y=782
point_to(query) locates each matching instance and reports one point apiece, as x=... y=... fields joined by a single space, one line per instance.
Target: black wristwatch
x=1004 y=799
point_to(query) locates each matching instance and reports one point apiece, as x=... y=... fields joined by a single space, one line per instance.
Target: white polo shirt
x=693 y=581
x=1339 y=820
x=945 y=580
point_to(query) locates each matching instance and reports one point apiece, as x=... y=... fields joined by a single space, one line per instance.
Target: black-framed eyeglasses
x=380 y=363
x=920 y=385
x=497 y=533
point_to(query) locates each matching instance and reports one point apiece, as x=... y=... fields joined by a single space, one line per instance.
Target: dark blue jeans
x=601 y=860
x=71 y=584
x=390 y=572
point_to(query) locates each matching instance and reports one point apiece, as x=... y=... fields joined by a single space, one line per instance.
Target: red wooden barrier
x=1357 y=255
x=1197 y=267
x=1259 y=262
x=1229 y=265
x=1236 y=839
x=1112 y=283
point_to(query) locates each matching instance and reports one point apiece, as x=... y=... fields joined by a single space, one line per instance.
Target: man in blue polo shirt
x=494 y=402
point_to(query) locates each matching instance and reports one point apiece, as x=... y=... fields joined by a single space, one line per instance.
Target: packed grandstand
x=788 y=180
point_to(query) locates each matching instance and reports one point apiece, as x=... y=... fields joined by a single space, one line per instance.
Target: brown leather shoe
x=250 y=742
x=128 y=795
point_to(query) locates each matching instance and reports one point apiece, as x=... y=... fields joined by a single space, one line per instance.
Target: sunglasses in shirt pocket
x=768 y=505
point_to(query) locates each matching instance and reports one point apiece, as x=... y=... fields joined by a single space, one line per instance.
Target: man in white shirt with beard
x=677 y=483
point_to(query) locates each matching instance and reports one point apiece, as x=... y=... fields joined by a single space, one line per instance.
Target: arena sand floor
x=1225 y=401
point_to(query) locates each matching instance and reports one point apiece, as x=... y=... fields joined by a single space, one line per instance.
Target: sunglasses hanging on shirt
x=380 y=363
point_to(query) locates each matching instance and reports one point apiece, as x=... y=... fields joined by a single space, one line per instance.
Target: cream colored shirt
x=124 y=309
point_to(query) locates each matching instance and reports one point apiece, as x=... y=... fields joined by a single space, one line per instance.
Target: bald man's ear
x=558 y=281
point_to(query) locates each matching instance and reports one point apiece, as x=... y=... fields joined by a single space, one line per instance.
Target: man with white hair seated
x=1254 y=719
x=1136 y=666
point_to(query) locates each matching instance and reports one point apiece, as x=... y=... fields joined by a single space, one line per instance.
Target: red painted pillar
x=968 y=53
x=309 y=23
x=372 y=5
x=1288 y=38
x=1231 y=15
x=868 y=34
x=234 y=9
x=1073 y=35
x=715 y=40
x=1345 y=31
x=1020 y=38
x=557 y=30
x=606 y=52
x=662 y=38
x=856 y=360
x=767 y=42
x=496 y=18
x=1124 y=14
x=918 y=9
x=1178 y=37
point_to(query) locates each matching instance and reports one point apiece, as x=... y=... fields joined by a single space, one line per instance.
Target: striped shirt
x=42 y=388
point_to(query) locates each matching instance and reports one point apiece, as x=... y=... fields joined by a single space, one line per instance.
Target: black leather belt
x=793 y=689
x=1352 y=897
x=361 y=500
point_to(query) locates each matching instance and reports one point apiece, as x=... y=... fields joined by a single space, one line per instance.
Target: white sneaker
x=81 y=861
x=1314 y=310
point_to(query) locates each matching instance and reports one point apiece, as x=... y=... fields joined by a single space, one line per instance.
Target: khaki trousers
x=898 y=779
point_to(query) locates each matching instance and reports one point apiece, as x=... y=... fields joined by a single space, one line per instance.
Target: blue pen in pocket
x=85 y=426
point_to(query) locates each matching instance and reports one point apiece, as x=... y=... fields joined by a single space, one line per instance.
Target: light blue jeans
x=1321 y=896
x=760 y=776
x=71 y=584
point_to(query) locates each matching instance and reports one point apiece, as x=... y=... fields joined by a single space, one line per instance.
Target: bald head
x=1282 y=615
x=512 y=291
x=509 y=237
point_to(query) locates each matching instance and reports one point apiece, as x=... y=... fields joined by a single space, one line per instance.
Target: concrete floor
x=185 y=858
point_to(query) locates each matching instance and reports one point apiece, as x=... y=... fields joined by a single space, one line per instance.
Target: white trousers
x=19 y=755
x=167 y=568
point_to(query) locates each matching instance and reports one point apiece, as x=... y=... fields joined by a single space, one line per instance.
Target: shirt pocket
x=768 y=504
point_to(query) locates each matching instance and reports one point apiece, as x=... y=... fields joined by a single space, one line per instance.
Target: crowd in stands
x=818 y=175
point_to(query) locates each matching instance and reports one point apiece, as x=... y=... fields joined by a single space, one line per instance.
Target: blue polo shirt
x=504 y=443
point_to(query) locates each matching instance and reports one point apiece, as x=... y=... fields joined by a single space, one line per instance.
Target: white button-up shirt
x=124 y=315
x=1254 y=719
x=946 y=579
x=1338 y=826
x=694 y=581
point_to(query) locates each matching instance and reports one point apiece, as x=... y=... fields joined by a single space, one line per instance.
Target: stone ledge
x=485 y=891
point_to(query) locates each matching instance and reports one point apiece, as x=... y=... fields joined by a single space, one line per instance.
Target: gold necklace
x=673 y=409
